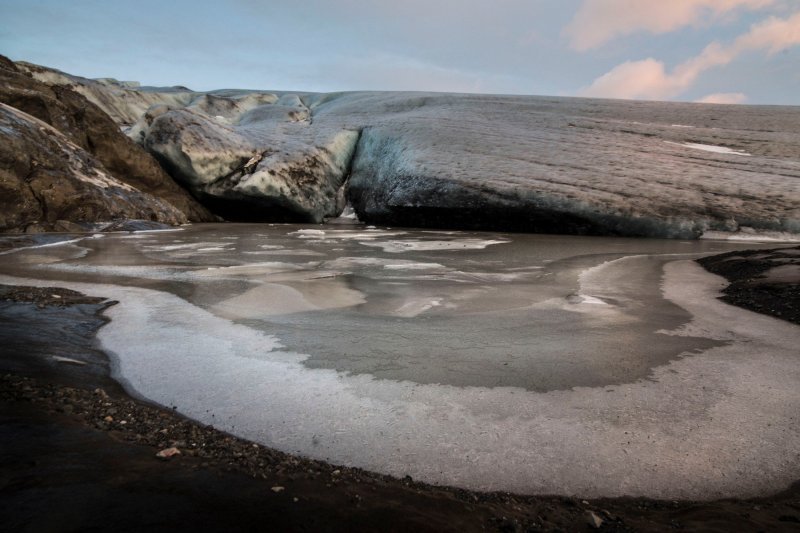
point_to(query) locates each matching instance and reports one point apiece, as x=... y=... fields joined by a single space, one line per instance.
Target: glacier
x=466 y=161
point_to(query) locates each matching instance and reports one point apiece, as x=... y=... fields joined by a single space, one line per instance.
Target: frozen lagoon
x=537 y=364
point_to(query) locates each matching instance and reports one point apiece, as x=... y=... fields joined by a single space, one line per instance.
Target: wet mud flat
x=79 y=454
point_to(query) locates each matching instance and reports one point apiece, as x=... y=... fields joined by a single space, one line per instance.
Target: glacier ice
x=525 y=163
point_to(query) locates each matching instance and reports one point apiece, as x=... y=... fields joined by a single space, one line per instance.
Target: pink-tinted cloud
x=723 y=98
x=599 y=21
x=649 y=79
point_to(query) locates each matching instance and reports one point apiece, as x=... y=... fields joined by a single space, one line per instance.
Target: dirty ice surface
x=530 y=363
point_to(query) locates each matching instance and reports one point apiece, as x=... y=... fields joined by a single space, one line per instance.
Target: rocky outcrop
x=247 y=155
x=90 y=129
x=48 y=183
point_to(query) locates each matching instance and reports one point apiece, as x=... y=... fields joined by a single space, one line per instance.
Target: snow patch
x=712 y=148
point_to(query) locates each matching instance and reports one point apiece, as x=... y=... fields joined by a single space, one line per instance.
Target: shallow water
x=493 y=361
x=457 y=308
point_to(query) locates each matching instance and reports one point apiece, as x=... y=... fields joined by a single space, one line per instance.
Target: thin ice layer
x=669 y=436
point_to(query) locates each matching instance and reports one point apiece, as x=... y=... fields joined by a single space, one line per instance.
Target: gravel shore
x=80 y=454
x=764 y=281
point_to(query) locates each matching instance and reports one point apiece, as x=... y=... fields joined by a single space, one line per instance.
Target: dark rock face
x=88 y=129
x=48 y=183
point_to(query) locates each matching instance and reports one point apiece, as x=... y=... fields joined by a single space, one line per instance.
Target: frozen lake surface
x=531 y=363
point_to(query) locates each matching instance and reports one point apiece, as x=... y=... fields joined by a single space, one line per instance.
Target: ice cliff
x=557 y=165
x=252 y=157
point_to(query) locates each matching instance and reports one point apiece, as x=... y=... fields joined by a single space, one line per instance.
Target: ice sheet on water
x=368 y=234
x=667 y=436
x=161 y=230
x=413 y=245
x=184 y=246
x=592 y=300
x=251 y=269
x=271 y=299
x=44 y=245
x=416 y=307
x=749 y=235
x=410 y=265
x=137 y=271
x=284 y=252
x=308 y=233
x=349 y=262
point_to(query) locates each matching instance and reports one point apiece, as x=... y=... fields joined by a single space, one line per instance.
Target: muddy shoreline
x=80 y=454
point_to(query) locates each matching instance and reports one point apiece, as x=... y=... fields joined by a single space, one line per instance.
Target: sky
x=723 y=51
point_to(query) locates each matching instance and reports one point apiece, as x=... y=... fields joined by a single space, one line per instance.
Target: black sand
x=765 y=281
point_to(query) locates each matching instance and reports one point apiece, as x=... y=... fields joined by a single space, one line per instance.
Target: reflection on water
x=466 y=309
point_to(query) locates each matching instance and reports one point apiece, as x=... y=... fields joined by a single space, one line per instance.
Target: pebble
x=167 y=453
x=277 y=488
x=593 y=520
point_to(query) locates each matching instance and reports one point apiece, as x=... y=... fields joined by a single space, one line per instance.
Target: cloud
x=723 y=98
x=648 y=79
x=599 y=21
